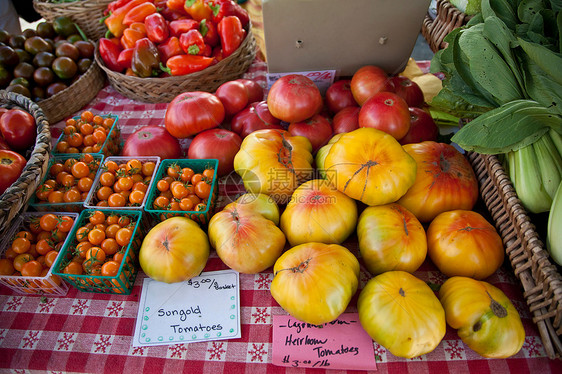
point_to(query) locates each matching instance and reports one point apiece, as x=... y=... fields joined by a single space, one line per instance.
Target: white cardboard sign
x=203 y=308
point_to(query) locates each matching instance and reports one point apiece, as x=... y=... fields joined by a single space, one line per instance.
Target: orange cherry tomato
x=123 y=236
x=196 y=178
x=186 y=174
x=50 y=258
x=73 y=267
x=31 y=269
x=43 y=247
x=21 y=245
x=110 y=268
x=147 y=168
x=202 y=190
x=65 y=223
x=21 y=259
x=48 y=222
x=209 y=173
x=173 y=171
x=6 y=267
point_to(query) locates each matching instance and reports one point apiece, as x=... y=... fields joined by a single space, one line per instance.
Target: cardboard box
x=303 y=35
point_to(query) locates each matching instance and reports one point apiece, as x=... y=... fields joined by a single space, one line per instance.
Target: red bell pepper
x=225 y=8
x=109 y=53
x=156 y=28
x=146 y=59
x=192 y=42
x=181 y=26
x=217 y=53
x=139 y=13
x=169 y=48
x=114 y=22
x=209 y=32
x=131 y=35
x=186 y=64
x=198 y=9
x=125 y=58
x=231 y=34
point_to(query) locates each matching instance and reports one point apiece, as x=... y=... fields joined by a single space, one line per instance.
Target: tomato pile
x=69 y=179
x=89 y=133
x=182 y=189
x=123 y=184
x=99 y=246
x=36 y=245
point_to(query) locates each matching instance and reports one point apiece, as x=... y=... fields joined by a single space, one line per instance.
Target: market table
x=89 y=332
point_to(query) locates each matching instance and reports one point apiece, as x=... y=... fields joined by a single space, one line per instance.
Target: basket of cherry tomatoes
x=101 y=254
x=123 y=183
x=90 y=133
x=67 y=183
x=29 y=250
x=184 y=187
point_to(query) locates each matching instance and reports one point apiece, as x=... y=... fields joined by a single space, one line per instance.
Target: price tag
x=322 y=78
x=340 y=344
x=201 y=309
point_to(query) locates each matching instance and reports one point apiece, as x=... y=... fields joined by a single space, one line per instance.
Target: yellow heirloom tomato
x=314 y=282
x=401 y=313
x=371 y=166
x=274 y=162
x=485 y=318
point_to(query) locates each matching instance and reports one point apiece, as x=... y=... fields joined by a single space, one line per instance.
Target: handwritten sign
x=201 y=309
x=323 y=78
x=340 y=344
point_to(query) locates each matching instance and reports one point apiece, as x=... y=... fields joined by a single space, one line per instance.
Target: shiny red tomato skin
x=11 y=166
x=387 y=112
x=408 y=90
x=294 y=98
x=233 y=96
x=18 y=129
x=254 y=89
x=368 y=81
x=152 y=140
x=192 y=112
x=346 y=120
x=217 y=144
x=316 y=129
x=422 y=127
x=339 y=96
x=255 y=116
x=3 y=144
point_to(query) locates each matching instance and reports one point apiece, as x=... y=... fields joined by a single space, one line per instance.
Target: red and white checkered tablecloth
x=89 y=332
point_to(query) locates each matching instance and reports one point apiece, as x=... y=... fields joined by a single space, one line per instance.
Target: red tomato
x=408 y=90
x=316 y=129
x=3 y=144
x=444 y=181
x=339 y=96
x=216 y=143
x=255 y=90
x=422 y=127
x=368 y=81
x=387 y=112
x=192 y=112
x=152 y=140
x=18 y=128
x=346 y=120
x=11 y=166
x=254 y=117
x=233 y=96
x=294 y=98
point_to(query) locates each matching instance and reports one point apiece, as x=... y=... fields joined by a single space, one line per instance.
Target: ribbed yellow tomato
x=245 y=240
x=274 y=162
x=391 y=238
x=317 y=212
x=314 y=282
x=463 y=243
x=484 y=316
x=174 y=250
x=401 y=313
x=369 y=165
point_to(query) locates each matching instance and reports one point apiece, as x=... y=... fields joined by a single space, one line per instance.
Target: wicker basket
x=16 y=196
x=447 y=19
x=164 y=90
x=73 y=98
x=541 y=281
x=85 y=13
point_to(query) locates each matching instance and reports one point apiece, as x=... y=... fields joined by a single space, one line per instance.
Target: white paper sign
x=201 y=309
x=322 y=78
